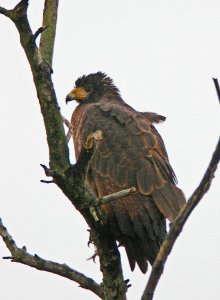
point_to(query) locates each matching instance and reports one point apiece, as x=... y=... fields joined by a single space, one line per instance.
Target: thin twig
x=70 y=127
x=178 y=224
x=67 y=122
x=47 y=181
x=20 y=255
x=115 y=196
x=217 y=87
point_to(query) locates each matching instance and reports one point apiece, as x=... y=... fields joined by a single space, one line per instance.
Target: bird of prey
x=131 y=154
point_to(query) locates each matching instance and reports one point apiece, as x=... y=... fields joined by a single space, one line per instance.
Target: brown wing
x=132 y=153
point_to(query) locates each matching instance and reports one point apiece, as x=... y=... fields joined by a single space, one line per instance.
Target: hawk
x=131 y=154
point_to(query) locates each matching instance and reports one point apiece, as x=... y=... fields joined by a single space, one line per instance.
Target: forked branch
x=69 y=178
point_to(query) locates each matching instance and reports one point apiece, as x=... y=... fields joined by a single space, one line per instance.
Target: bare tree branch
x=59 y=156
x=20 y=255
x=178 y=224
x=68 y=178
x=48 y=36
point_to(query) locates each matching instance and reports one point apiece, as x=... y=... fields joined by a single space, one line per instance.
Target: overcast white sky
x=162 y=55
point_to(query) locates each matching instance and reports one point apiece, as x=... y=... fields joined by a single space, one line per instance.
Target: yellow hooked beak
x=78 y=94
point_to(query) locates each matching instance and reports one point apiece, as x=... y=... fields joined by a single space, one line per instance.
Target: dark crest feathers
x=97 y=80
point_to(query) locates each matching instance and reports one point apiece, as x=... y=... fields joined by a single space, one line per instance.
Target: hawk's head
x=90 y=88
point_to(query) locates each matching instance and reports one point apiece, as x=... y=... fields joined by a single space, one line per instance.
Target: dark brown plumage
x=132 y=153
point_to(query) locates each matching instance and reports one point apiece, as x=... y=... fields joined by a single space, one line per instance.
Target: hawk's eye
x=88 y=89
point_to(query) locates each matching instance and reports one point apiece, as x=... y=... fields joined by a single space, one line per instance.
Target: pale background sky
x=162 y=55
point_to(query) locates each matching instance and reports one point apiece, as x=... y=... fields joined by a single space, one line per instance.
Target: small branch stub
x=115 y=196
x=47 y=181
x=83 y=163
x=38 y=32
x=96 y=136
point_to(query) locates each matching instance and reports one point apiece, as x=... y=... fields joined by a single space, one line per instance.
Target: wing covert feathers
x=132 y=153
